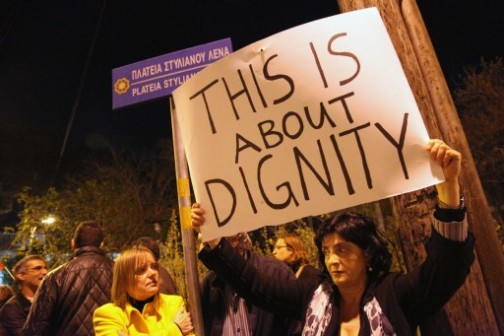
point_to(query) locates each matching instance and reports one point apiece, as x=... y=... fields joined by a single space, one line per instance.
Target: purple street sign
x=158 y=76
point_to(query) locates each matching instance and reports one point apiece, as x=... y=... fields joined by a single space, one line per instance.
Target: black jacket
x=68 y=295
x=261 y=322
x=13 y=315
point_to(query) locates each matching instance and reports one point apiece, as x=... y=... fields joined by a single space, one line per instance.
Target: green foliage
x=35 y=237
x=480 y=102
x=125 y=194
x=172 y=255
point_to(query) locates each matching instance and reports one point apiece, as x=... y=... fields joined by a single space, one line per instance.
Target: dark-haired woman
x=356 y=294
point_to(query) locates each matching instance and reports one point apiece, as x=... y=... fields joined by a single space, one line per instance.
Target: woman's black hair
x=361 y=231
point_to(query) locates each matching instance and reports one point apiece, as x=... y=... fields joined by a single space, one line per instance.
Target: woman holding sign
x=356 y=294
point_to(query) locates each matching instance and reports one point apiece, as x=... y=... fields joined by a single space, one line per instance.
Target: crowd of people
x=77 y=298
x=245 y=293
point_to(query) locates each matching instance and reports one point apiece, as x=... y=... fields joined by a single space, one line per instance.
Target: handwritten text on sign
x=308 y=121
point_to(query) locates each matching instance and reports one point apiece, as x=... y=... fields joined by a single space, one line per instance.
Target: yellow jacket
x=156 y=318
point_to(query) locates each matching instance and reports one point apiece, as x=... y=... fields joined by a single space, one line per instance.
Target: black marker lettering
x=298 y=123
x=355 y=131
x=300 y=157
x=286 y=185
x=398 y=145
x=202 y=93
x=246 y=144
x=270 y=133
x=344 y=169
x=346 y=54
x=270 y=77
x=323 y=116
x=345 y=106
x=232 y=97
x=231 y=191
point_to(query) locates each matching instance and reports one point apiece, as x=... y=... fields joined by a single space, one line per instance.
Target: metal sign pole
x=188 y=241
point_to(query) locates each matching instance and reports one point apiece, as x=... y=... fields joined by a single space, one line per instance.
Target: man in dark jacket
x=29 y=272
x=68 y=295
x=227 y=314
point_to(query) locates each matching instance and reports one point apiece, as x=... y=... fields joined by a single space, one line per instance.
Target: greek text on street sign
x=158 y=76
x=311 y=120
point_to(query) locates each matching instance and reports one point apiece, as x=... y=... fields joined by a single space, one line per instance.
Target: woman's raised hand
x=450 y=161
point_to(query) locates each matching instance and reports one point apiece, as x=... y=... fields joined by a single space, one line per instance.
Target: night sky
x=45 y=46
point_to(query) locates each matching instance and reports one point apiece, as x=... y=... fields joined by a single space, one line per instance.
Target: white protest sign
x=314 y=119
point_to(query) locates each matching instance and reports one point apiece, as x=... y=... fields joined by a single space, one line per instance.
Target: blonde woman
x=290 y=249
x=137 y=306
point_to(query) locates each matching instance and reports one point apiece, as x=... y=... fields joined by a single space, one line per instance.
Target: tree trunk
x=469 y=312
x=488 y=247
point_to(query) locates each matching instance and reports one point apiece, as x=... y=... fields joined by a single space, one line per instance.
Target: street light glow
x=49 y=220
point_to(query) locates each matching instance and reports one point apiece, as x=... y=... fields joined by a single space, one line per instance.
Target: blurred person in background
x=6 y=293
x=29 y=273
x=66 y=299
x=290 y=249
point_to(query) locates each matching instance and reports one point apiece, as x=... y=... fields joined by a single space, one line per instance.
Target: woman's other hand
x=450 y=161
x=183 y=320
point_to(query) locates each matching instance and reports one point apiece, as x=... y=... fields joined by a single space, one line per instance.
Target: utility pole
x=477 y=308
